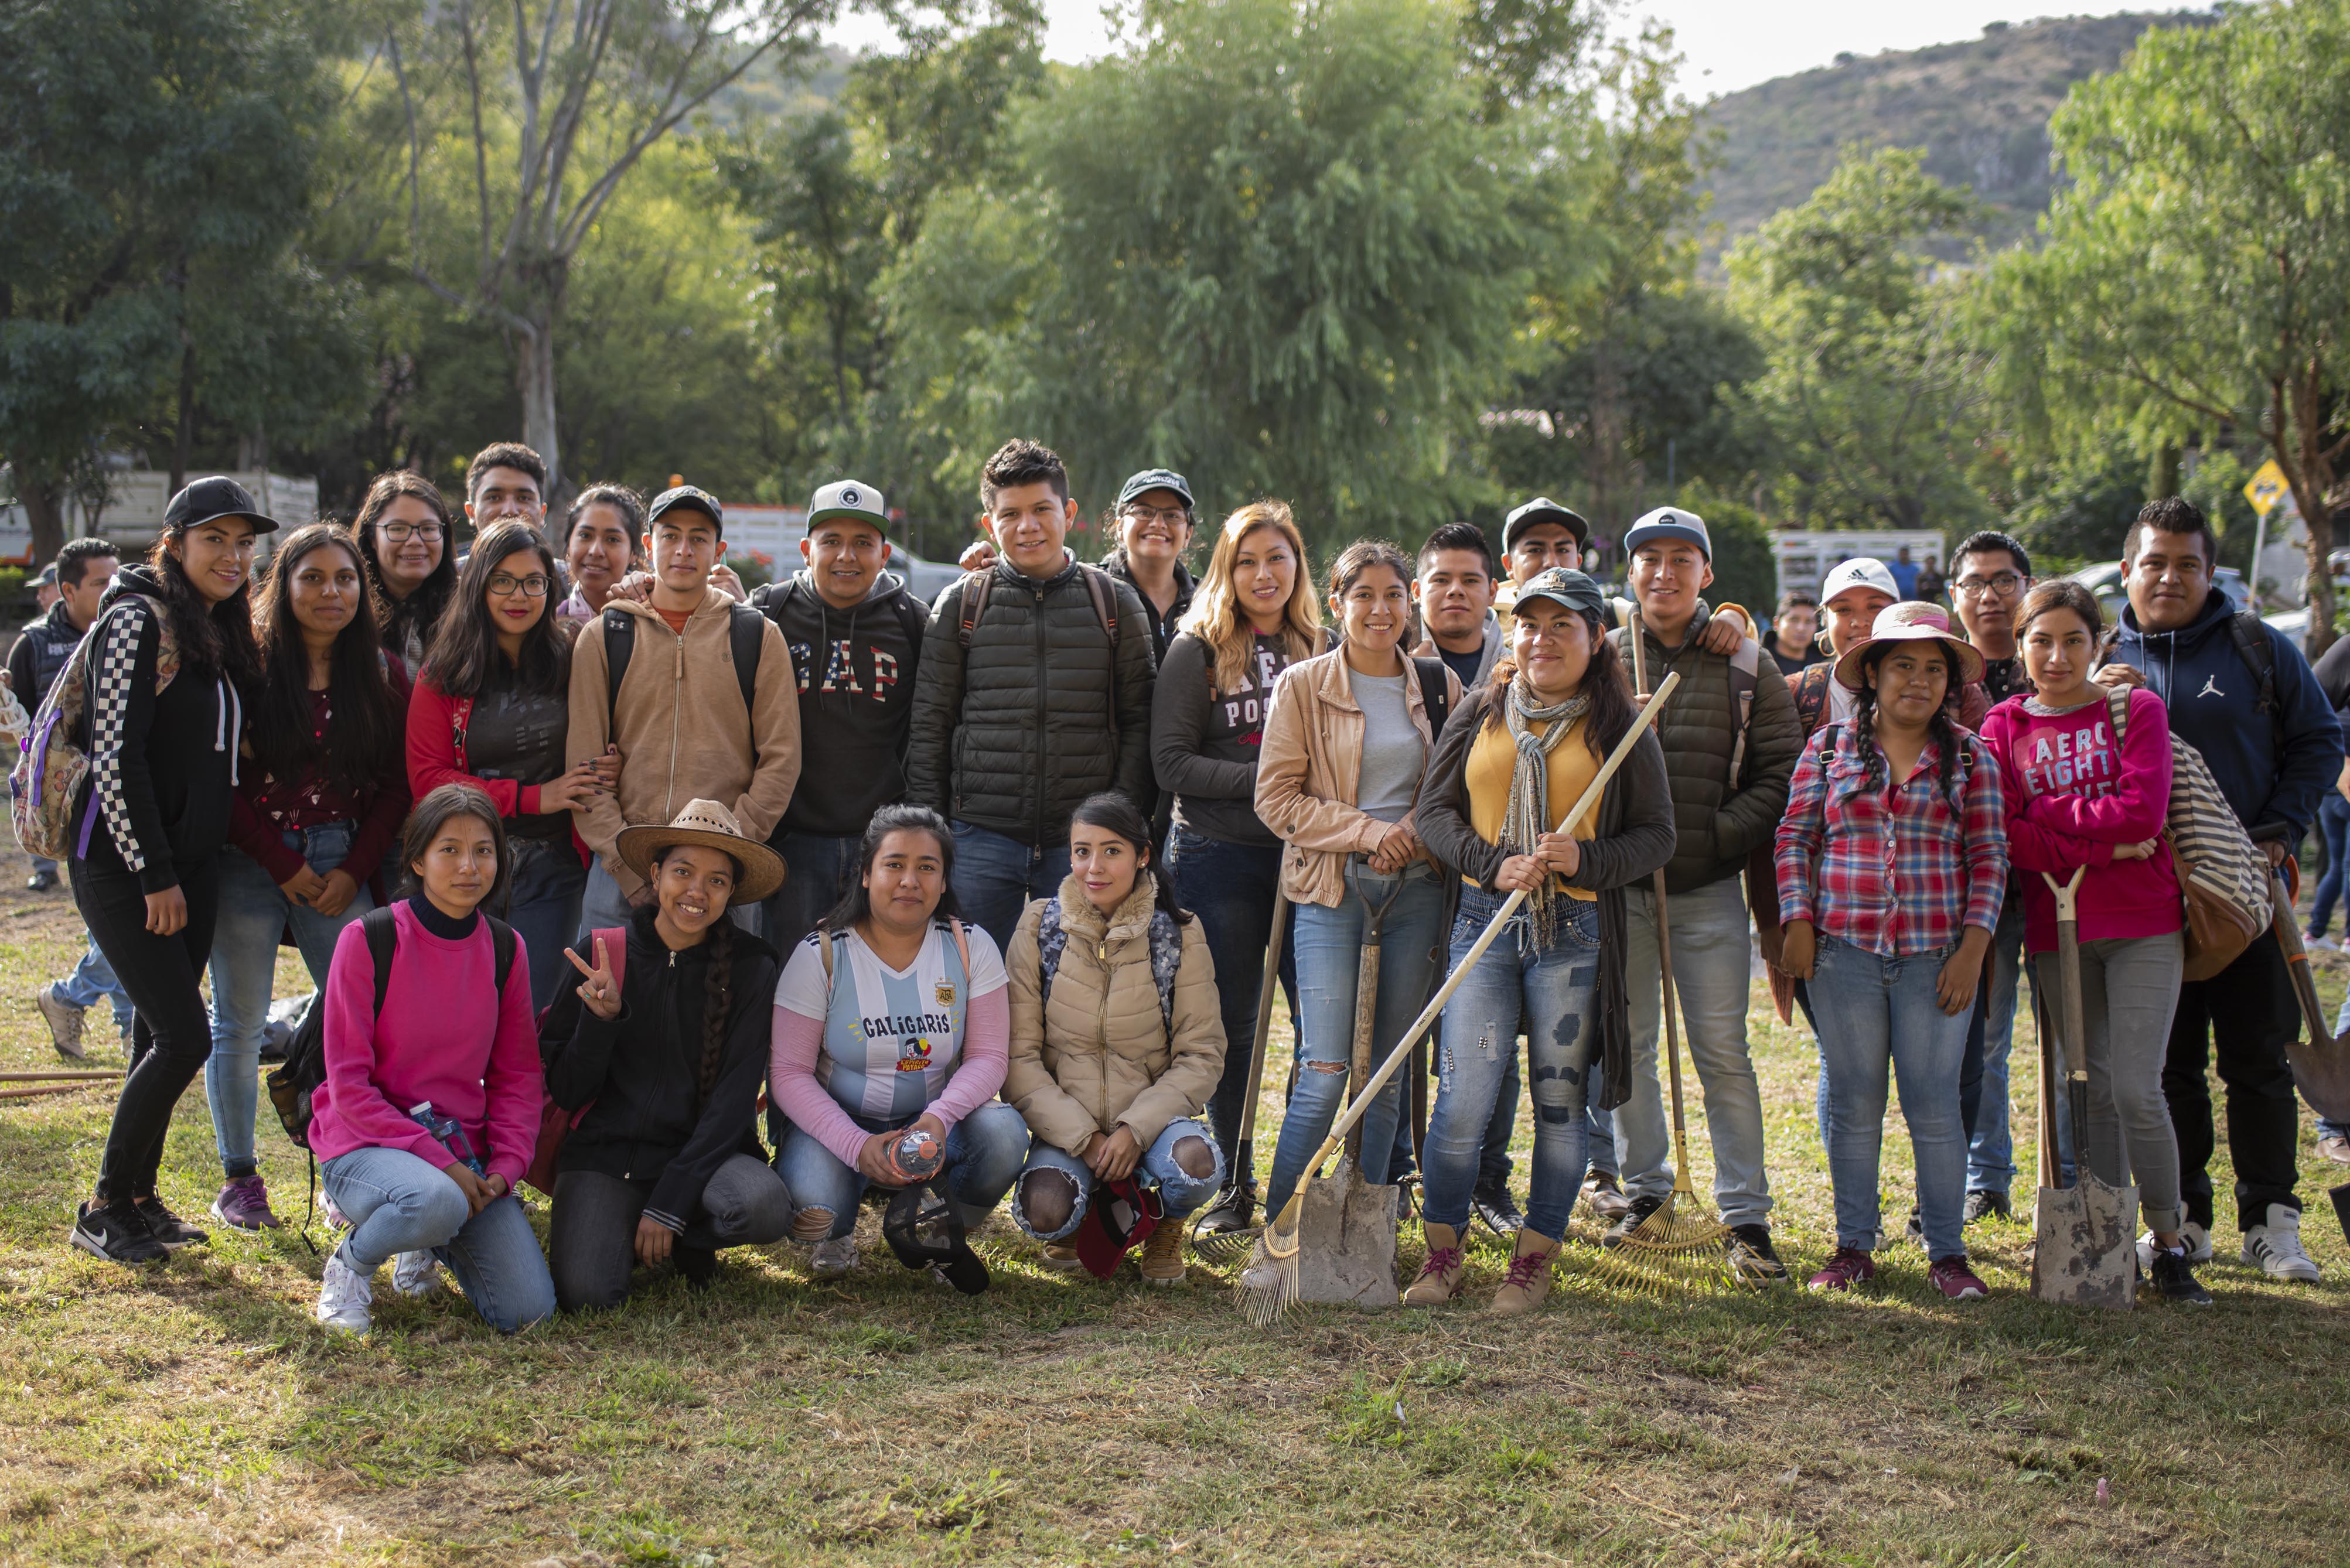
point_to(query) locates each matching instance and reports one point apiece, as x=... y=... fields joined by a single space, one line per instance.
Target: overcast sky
x=1727 y=44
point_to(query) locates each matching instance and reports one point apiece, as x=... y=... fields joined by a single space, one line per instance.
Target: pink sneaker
x=1955 y=1280
x=244 y=1204
x=1850 y=1266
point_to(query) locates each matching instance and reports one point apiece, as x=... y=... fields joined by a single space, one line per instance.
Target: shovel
x=1242 y=1176
x=2322 y=1068
x=2084 y=1253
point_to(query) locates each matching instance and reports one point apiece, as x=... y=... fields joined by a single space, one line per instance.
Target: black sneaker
x=41 y=881
x=2175 y=1281
x=1751 y=1256
x=1982 y=1204
x=1641 y=1209
x=118 y=1233
x=697 y=1266
x=1233 y=1209
x=168 y=1228
x=1916 y=1228
x=1498 y=1210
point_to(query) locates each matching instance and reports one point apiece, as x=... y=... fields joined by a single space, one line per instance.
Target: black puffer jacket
x=640 y=1073
x=1039 y=712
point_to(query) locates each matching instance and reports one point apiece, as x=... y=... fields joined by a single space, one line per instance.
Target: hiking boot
x=1606 y=1196
x=169 y=1228
x=1061 y=1256
x=41 y=881
x=1751 y=1256
x=2196 y=1237
x=1440 y=1276
x=118 y=1233
x=2174 y=1279
x=1848 y=1267
x=416 y=1274
x=1233 y=1209
x=2276 y=1248
x=1162 y=1254
x=345 y=1296
x=697 y=1266
x=64 y=1020
x=243 y=1205
x=1528 y=1281
x=1638 y=1209
x=2335 y=1148
x=833 y=1257
x=1984 y=1204
x=1497 y=1209
x=1954 y=1279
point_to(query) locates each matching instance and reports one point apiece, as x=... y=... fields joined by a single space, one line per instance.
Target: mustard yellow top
x=1492 y=757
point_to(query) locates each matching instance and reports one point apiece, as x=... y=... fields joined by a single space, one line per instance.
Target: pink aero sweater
x=450 y=1034
x=2072 y=796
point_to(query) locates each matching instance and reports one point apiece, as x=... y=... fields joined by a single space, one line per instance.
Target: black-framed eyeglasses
x=532 y=587
x=402 y=533
x=1171 y=516
x=2003 y=584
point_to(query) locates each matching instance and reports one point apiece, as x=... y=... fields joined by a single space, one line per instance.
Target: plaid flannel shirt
x=1895 y=870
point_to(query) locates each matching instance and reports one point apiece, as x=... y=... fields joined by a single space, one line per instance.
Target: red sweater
x=264 y=808
x=2071 y=797
x=432 y=759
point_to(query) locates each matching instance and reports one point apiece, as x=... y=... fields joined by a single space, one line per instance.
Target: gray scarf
x=1527 y=816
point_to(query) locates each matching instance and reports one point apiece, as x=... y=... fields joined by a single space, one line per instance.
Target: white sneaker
x=64 y=1020
x=2321 y=944
x=2199 y=1246
x=2276 y=1248
x=345 y=1296
x=415 y=1274
x=834 y=1256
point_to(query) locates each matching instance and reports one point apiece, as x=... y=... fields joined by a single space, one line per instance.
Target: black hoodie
x=856 y=670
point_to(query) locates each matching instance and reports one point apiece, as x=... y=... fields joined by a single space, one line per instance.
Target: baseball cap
x=850 y=499
x=1667 y=523
x=1156 y=479
x=1860 y=572
x=693 y=498
x=47 y=578
x=1564 y=586
x=1542 y=509
x=218 y=496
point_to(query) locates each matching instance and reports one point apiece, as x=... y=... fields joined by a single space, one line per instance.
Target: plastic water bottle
x=916 y=1157
x=451 y=1132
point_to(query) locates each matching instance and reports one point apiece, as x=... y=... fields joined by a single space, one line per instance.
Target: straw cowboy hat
x=710 y=826
x=1913 y=620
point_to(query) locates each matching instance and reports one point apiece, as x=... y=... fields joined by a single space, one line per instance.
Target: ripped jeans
x=1556 y=990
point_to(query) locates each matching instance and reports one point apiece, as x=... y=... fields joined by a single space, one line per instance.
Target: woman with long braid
x=658 y=1052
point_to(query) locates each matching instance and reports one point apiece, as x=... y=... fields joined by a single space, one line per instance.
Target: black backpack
x=745 y=627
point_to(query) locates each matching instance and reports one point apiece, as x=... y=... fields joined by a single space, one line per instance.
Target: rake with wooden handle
x=1223 y=1246
x=1269 y=1285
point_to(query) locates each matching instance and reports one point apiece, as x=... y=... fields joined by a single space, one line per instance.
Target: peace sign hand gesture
x=601 y=993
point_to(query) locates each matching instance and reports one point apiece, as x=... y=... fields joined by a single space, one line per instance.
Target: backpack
x=1434 y=694
x=745 y=629
x=1166 y=954
x=292 y=1083
x=2224 y=877
x=1100 y=586
x=53 y=768
x=554 y=1122
x=823 y=950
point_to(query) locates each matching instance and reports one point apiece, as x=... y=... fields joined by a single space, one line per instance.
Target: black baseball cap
x=207 y=499
x=693 y=498
x=1156 y=479
x=1542 y=509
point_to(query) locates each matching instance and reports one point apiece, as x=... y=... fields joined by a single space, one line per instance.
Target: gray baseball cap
x=851 y=498
x=1667 y=523
x=1542 y=509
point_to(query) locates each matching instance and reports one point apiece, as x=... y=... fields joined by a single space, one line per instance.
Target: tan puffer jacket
x=1101 y=1055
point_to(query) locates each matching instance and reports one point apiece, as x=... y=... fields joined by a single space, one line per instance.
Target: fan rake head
x=1268 y=1287
x=1681 y=1248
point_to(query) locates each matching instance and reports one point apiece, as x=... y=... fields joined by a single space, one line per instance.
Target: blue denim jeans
x=253 y=912
x=398 y=1203
x=1990 y=1148
x=1873 y=1010
x=984 y=1152
x=1598 y=1126
x=819 y=870
x=1555 y=991
x=91 y=982
x=995 y=876
x=548 y=882
x=1329 y=951
x=2334 y=829
x=1180 y=1191
x=1231 y=888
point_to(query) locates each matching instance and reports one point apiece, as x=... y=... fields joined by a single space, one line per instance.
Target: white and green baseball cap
x=851 y=498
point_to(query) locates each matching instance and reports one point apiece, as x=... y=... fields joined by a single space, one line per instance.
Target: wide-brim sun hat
x=706 y=824
x=1912 y=620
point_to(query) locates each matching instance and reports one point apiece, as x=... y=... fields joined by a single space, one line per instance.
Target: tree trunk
x=181 y=436
x=2162 y=472
x=535 y=378
x=44 y=512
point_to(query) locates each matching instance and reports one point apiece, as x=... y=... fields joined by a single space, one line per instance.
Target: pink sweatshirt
x=2071 y=797
x=978 y=1073
x=449 y=1033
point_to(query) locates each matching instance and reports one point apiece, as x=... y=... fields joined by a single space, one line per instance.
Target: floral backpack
x=54 y=766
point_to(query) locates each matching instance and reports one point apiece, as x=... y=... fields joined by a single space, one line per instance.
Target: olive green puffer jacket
x=1101 y=1052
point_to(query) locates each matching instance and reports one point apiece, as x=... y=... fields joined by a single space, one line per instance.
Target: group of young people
x=604 y=868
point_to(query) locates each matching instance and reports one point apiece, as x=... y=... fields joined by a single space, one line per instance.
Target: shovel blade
x=1346 y=1236
x=2321 y=1068
x=2084 y=1254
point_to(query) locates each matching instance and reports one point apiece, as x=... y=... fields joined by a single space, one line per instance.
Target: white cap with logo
x=851 y=498
x=1860 y=572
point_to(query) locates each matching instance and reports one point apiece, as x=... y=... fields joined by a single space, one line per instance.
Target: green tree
x=1872 y=395
x=2194 y=277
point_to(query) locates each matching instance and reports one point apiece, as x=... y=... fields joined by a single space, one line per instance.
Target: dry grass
x=196 y=1413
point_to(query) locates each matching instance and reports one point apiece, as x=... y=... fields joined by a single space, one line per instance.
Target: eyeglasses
x=2004 y=584
x=532 y=587
x=1172 y=516
x=402 y=533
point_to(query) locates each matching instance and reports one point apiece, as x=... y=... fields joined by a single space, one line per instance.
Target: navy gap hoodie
x=856 y=671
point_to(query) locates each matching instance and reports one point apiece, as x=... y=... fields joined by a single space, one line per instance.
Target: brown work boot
x=1441 y=1275
x=1528 y=1281
x=1162 y=1254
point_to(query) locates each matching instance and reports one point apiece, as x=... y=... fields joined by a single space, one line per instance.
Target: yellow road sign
x=2266 y=488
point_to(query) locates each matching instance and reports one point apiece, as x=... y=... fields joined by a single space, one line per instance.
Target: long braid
x=713 y=1002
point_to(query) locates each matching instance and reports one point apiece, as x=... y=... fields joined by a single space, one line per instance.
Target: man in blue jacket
x=2239 y=692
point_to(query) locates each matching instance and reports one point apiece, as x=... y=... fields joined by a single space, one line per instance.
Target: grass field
x=196 y=1413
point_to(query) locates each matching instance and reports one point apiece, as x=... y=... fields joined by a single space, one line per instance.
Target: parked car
x=2105 y=580
x=924 y=579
